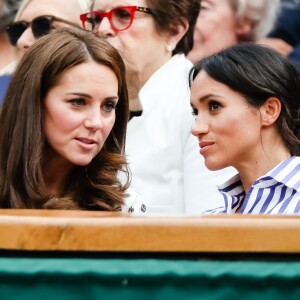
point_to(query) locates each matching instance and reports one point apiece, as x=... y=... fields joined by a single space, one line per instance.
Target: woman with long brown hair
x=63 y=124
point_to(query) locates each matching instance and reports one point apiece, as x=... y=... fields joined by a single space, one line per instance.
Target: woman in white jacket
x=153 y=38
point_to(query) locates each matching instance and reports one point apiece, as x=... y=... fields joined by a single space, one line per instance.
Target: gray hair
x=262 y=14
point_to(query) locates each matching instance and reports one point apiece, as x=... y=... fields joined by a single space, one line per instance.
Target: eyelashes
x=107 y=106
x=78 y=102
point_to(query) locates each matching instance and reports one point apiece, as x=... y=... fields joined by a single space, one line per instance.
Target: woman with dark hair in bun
x=246 y=103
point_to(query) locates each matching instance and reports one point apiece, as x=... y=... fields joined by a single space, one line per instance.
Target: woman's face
x=227 y=127
x=68 y=10
x=141 y=47
x=80 y=113
x=215 y=29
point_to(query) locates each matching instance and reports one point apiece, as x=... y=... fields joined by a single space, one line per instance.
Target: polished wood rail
x=54 y=230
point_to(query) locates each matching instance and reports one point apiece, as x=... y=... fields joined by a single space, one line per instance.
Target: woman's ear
x=173 y=40
x=270 y=111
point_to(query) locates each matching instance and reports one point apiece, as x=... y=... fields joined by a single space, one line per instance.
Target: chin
x=81 y=162
x=214 y=165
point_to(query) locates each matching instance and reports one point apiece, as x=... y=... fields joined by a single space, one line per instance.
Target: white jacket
x=167 y=168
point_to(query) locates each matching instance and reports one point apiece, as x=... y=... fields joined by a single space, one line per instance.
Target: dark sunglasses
x=120 y=18
x=40 y=26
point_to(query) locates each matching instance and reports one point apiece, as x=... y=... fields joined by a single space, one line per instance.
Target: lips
x=86 y=140
x=86 y=144
x=205 y=146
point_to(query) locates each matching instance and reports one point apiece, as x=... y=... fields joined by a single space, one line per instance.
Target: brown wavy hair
x=22 y=141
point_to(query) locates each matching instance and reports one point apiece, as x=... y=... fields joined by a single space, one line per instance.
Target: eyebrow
x=206 y=97
x=89 y=96
x=80 y=94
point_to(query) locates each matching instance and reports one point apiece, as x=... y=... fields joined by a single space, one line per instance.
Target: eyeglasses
x=120 y=18
x=40 y=26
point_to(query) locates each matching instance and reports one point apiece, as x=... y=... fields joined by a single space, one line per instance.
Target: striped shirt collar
x=284 y=174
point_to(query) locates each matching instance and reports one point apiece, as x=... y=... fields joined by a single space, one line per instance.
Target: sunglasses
x=120 y=18
x=40 y=26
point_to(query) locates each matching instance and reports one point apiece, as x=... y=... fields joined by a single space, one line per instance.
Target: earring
x=169 y=48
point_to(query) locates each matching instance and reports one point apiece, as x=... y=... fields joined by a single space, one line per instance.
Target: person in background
x=63 y=123
x=153 y=38
x=222 y=23
x=285 y=36
x=246 y=103
x=36 y=18
x=8 y=9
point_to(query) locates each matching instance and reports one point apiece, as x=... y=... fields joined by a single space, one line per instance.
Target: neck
x=255 y=168
x=56 y=174
x=133 y=94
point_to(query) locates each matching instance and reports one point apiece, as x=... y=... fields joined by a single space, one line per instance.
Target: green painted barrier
x=83 y=278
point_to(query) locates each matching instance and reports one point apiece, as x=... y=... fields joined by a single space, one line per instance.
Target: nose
x=105 y=28
x=25 y=40
x=93 y=121
x=200 y=127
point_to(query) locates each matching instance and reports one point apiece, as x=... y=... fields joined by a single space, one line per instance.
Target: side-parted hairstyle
x=257 y=73
x=23 y=145
x=168 y=14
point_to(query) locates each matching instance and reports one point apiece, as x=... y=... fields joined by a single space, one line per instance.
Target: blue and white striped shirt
x=277 y=192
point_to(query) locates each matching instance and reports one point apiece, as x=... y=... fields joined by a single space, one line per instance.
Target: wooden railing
x=47 y=230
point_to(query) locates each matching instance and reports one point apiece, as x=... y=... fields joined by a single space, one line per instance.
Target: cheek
x=126 y=49
x=229 y=126
x=242 y=129
x=109 y=124
x=208 y=24
x=220 y=27
x=60 y=121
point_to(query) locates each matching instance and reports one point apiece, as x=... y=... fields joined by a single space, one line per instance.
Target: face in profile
x=79 y=113
x=65 y=10
x=227 y=127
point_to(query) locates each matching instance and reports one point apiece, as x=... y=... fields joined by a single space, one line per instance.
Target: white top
x=277 y=192
x=167 y=168
x=133 y=204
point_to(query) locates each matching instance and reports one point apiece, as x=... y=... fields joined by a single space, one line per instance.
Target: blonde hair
x=85 y=5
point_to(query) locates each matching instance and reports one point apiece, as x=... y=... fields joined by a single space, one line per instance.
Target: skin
x=278 y=44
x=217 y=27
x=67 y=10
x=6 y=53
x=233 y=133
x=79 y=115
x=141 y=47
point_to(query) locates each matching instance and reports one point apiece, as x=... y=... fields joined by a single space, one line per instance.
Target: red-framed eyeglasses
x=120 y=18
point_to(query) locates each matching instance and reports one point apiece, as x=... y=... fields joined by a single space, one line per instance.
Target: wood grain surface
x=52 y=230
